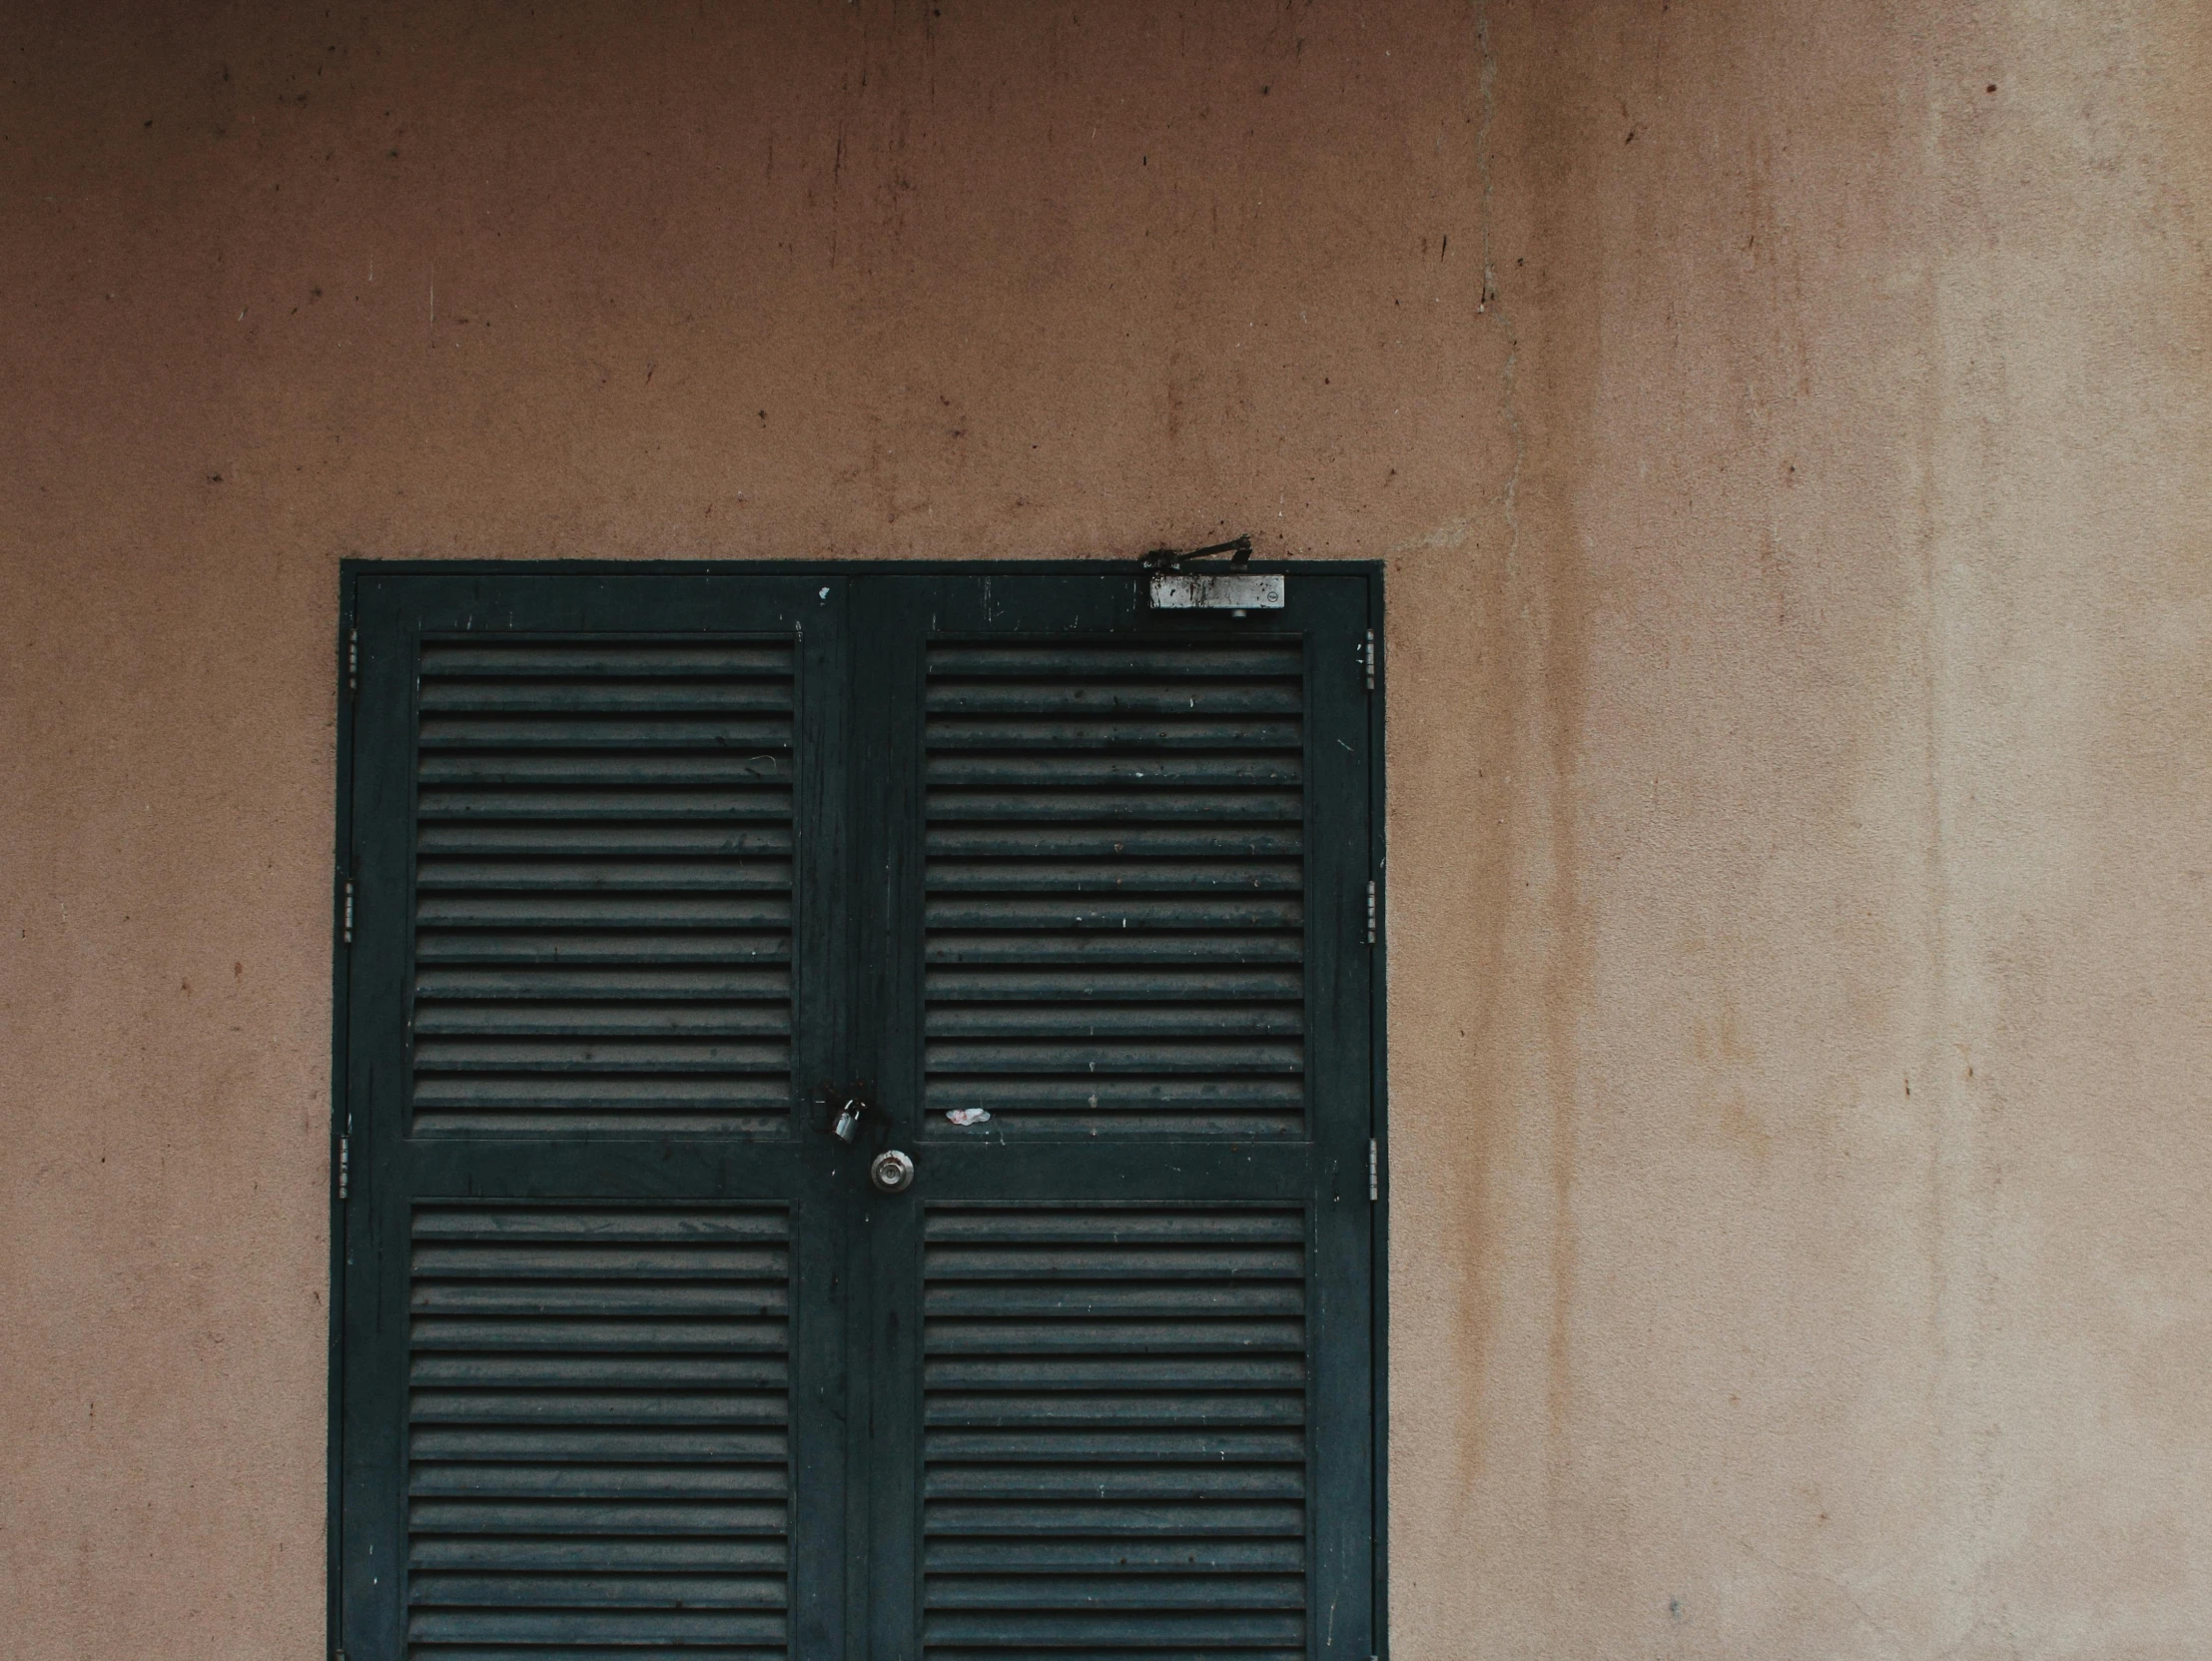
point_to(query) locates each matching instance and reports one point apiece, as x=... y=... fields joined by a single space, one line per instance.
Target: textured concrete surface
x=1787 y=424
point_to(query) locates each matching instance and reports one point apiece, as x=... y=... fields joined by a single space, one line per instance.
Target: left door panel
x=593 y=1243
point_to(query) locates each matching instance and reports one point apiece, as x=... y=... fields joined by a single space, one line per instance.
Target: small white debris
x=967 y=1115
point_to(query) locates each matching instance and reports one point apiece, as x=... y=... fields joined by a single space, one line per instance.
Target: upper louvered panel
x=1115 y=876
x=598 y=1433
x=1114 y=1433
x=603 y=869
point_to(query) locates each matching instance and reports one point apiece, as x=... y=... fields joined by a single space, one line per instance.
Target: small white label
x=1204 y=592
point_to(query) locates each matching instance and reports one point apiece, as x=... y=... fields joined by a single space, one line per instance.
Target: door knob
x=891 y=1172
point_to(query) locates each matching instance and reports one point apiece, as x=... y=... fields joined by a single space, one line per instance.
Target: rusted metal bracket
x=1238 y=548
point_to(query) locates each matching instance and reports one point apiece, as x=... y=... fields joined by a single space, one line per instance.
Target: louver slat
x=1114 y=1443
x=612 y=1479
x=1116 y=908
x=591 y=815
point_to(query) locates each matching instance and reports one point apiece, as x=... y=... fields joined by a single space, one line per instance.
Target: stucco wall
x=1787 y=424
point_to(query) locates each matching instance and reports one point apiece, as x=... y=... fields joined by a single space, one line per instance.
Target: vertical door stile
x=1376 y=677
x=333 y=1540
x=889 y=626
x=821 y=1585
x=373 y=1458
x=1342 y=965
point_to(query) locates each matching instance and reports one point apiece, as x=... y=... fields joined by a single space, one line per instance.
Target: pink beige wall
x=1788 y=424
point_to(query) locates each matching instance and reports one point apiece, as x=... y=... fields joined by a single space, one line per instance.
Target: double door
x=857 y=1095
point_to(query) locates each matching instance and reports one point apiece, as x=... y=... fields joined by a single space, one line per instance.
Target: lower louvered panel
x=598 y=1433
x=1115 y=1444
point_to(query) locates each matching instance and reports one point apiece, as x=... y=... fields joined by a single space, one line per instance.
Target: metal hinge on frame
x=345 y=1166
x=353 y=680
x=1367 y=659
x=1370 y=914
x=346 y=927
x=1374 y=1171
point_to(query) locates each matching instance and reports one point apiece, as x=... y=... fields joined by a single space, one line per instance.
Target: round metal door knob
x=891 y=1172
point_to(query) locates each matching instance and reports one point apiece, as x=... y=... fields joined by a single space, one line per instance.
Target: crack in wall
x=1487 y=85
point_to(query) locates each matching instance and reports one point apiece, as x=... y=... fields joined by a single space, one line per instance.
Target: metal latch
x=1176 y=587
x=1190 y=591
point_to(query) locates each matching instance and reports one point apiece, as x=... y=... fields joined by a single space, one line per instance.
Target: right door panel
x=1115 y=867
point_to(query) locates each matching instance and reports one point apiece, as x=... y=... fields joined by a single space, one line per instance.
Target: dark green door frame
x=860 y=1282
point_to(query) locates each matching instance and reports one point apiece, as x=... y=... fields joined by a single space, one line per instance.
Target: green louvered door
x=1119 y=1327
x=632 y=1359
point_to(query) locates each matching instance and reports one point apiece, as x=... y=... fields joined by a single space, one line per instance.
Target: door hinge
x=347 y=927
x=345 y=1166
x=1375 y=1169
x=353 y=685
x=1370 y=914
x=1367 y=659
